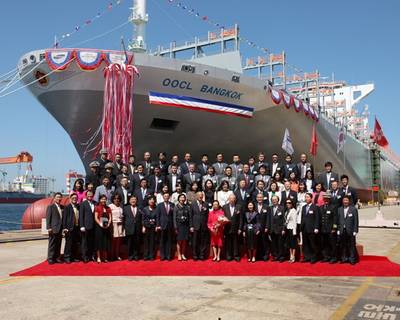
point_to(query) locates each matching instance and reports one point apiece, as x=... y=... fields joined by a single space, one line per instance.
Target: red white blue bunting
x=118 y=57
x=89 y=60
x=280 y=96
x=276 y=96
x=298 y=105
x=86 y=59
x=287 y=99
x=59 y=59
x=306 y=108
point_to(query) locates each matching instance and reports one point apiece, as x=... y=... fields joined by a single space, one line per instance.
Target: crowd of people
x=270 y=210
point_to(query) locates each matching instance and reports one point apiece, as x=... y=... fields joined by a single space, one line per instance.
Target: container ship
x=25 y=188
x=211 y=103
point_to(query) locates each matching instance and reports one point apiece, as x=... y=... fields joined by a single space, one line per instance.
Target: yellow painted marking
x=13 y=279
x=344 y=309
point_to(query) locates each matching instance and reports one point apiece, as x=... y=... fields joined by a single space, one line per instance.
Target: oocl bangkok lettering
x=186 y=85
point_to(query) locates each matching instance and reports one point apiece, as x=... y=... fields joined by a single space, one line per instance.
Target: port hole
x=164 y=124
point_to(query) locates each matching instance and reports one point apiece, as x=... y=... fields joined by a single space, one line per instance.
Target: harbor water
x=11 y=215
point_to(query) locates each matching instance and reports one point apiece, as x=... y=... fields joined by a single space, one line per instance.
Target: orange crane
x=23 y=156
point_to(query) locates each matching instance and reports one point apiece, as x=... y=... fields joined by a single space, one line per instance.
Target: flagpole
x=344 y=142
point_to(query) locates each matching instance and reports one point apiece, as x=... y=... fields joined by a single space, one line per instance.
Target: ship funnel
x=139 y=19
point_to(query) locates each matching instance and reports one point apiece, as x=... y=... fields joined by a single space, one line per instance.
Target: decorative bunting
x=287 y=99
x=89 y=60
x=298 y=105
x=59 y=59
x=306 y=108
x=276 y=96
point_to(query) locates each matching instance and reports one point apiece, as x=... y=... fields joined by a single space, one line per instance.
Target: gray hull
x=75 y=99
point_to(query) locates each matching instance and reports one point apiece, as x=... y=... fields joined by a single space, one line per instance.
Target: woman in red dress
x=103 y=218
x=216 y=221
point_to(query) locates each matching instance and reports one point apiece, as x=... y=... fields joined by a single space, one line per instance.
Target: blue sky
x=357 y=40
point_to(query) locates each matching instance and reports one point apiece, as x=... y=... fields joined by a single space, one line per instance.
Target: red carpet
x=368 y=266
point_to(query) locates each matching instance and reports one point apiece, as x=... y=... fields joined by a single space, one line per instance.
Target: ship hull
x=75 y=99
x=17 y=197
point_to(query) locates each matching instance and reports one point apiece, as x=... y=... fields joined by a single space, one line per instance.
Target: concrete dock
x=200 y=297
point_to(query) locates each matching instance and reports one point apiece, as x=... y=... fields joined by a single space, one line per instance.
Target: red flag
x=379 y=137
x=314 y=142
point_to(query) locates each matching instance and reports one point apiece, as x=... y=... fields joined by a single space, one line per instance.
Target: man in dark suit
x=336 y=195
x=117 y=168
x=233 y=212
x=54 y=215
x=329 y=222
x=303 y=166
x=86 y=224
x=261 y=162
x=103 y=160
x=124 y=191
x=263 y=176
x=276 y=166
x=191 y=177
x=198 y=226
x=328 y=176
x=70 y=222
x=347 y=190
x=174 y=179
x=94 y=175
x=289 y=167
x=242 y=196
x=277 y=230
x=165 y=225
x=203 y=166
x=156 y=180
x=142 y=194
x=310 y=225
x=147 y=164
x=264 y=214
x=131 y=165
x=287 y=193
x=260 y=189
x=137 y=177
x=133 y=228
x=184 y=166
x=347 y=230
x=162 y=163
x=247 y=176
x=124 y=174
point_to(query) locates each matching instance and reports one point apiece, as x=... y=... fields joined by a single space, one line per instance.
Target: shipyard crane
x=22 y=157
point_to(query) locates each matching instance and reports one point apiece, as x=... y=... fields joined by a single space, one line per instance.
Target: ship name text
x=217 y=91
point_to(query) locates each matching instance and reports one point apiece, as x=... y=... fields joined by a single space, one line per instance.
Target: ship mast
x=139 y=19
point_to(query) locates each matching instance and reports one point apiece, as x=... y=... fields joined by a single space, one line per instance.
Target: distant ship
x=211 y=103
x=20 y=197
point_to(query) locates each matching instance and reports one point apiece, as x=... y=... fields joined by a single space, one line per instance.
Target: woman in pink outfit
x=216 y=221
x=79 y=190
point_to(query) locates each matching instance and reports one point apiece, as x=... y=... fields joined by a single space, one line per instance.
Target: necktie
x=200 y=206
x=167 y=207
x=76 y=215
x=143 y=193
x=192 y=177
x=134 y=211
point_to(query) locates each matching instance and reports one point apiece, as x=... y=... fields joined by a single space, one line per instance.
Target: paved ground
x=199 y=297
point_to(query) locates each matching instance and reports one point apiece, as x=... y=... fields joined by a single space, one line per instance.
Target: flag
x=287 y=143
x=314 y=142
x=379 y=137
x=340 y=139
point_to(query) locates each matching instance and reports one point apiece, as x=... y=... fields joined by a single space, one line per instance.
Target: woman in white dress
x=159 y=197
x=223 y=194
x=278 y=180
x=176 y=194
x=117 y=224
x=291 y=229
x=301 y=201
